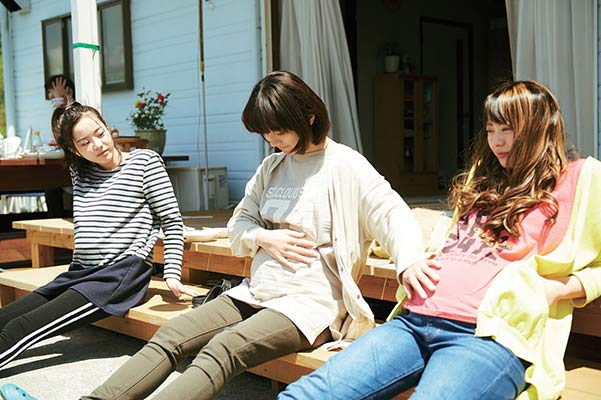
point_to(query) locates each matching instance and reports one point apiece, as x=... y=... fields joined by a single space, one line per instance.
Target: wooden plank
x=291 y=367
x=30 y=279
x=583 y=379
x=280 y=371
x=217 y=247
x=41 y=255
x=7 y=295
x=226 y=265
x=158 y=254
x=160 y=305
x=390 y=288
x=379 y=280
x=53 y=239
x=380 y=267
x=575 y=394
x=54 y=225
x=129 y=327
x=58 y=232
x=14 y=249
x=247 y=266
x=372 y=286
x=32 y=175
x=198 y=261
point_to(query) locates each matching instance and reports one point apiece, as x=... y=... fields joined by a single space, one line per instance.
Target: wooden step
x=160 y=305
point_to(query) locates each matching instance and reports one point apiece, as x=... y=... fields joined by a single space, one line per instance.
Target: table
x=378 y=282
x=127 y=142
x=32 y=175
x=38 y=174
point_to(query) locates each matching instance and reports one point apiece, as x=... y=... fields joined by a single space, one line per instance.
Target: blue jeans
x=441 y=356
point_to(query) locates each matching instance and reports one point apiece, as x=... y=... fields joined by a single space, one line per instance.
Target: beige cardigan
x=364 y=207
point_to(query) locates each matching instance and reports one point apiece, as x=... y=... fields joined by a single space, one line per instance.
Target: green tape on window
x=86 y=46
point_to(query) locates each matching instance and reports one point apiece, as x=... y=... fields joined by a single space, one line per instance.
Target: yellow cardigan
x=514 y=310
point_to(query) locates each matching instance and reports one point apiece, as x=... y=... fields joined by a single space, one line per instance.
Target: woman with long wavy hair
x=487 y=316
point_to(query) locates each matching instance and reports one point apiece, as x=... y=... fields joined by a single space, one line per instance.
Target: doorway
x=446 y=52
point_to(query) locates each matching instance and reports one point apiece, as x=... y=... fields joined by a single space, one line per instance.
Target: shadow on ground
x=68 y=366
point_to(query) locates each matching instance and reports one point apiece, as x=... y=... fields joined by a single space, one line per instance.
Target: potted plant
x=392 y=57
x=147 y=118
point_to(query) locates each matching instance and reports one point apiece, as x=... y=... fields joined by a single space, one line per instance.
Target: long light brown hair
x=534 y=164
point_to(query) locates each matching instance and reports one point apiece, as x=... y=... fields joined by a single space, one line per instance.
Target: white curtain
x=553 y=42
x=313 y=45
x=86 y=54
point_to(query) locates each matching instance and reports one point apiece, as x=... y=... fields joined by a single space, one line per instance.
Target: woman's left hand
x=419 y=277
x=177 y=288
x=562 y=288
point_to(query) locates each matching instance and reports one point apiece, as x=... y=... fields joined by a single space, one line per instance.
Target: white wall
x=233 y=66
x=165 y=41
x=31 y=107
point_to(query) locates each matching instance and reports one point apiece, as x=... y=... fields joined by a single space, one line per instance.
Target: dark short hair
x=283 y=102
x=68 y=81
x=64 y=118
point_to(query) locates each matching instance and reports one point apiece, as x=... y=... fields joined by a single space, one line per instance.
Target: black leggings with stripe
x=33 y=318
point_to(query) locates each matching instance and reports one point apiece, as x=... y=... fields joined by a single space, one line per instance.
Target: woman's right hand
x=177 y=288
x=420 y=275
x=285 y=244
x=59 y=87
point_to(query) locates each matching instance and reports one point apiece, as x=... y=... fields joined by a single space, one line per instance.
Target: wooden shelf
x=406 y=132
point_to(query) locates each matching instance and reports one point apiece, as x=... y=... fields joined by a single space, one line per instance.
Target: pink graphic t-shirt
x=471 y=259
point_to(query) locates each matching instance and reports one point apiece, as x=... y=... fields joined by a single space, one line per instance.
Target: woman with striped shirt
x=120 y=201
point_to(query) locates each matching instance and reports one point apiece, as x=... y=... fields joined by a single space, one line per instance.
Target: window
x=114 y=28
x=115 y=44
x=56 y=37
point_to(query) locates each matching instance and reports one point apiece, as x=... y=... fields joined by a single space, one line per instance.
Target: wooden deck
x=583 y=365
x=583 y=376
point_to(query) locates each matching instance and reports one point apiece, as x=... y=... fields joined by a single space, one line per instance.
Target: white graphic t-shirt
x=296 y=198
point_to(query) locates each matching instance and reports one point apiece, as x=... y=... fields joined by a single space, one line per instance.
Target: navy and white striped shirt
x=118 y=213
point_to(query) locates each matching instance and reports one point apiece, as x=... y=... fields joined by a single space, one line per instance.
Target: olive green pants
x=226 y=337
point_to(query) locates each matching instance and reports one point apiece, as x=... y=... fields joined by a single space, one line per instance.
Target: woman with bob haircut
x=488 y=315
x=307 y=218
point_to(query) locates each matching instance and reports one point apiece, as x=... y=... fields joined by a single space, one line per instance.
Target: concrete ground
x=66 y=367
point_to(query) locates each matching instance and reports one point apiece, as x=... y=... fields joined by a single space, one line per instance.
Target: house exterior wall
x=166 y=58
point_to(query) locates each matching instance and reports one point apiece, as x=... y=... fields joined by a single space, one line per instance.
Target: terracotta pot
x=156 y=138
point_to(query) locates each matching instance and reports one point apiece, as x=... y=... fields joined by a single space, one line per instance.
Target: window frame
x=128 y=82
x=64 y=43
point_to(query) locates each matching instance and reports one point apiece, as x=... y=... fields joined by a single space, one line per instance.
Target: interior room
x=421 y=70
